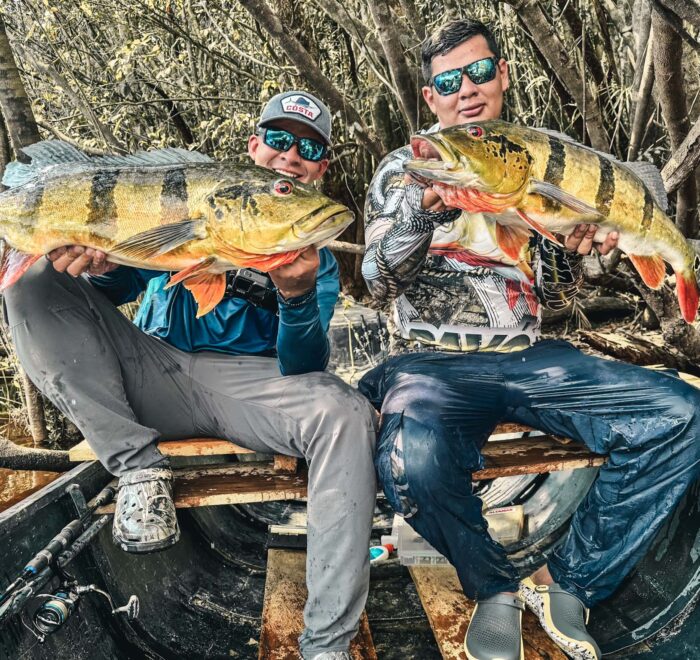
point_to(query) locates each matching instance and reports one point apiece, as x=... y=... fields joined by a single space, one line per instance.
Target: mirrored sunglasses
x=479 y=72
x=281 y=140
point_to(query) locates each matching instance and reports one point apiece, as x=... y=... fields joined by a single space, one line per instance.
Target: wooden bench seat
x=512 y=450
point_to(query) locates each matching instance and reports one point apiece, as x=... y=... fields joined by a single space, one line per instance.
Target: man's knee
x=32 y=292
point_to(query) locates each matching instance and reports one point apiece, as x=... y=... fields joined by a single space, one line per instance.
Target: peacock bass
x=171 y=210
x=528 y=179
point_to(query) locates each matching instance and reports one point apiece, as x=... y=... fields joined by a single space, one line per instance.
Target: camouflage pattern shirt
x=449 y=285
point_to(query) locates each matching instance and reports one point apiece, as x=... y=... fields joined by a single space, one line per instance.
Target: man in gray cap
x=251 y=371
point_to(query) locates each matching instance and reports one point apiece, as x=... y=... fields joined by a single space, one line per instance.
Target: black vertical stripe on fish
x=648 y=215
x=102 y=207
x=173 y=196
x=556 y=164
x=606 y=187
x=32 y=202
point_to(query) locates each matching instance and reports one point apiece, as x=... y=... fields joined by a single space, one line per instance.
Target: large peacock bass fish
x=533 y=180
x=171 y=210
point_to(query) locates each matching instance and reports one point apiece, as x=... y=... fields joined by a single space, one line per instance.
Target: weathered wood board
x=232 y=484
x=191 y=447
x=449 y=613
x=283 y=606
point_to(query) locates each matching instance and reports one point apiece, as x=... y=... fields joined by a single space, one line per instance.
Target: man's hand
x=299 y=277
x=78 y=259
x=581 y=240
x=431 y=200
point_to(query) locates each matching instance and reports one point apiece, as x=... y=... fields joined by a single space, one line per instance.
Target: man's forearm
x=302 y=342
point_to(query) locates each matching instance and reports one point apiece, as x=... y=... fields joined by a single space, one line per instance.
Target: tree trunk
x=669 y=84
x=684 y=161
x=547 y=41
x=404 y=80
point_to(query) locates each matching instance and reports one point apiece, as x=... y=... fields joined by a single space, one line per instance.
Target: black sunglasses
x=479 y=72
x=281 y=140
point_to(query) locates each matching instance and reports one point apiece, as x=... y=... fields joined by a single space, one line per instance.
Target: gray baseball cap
x=299 y=106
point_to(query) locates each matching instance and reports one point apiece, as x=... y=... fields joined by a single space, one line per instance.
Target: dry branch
x=688 y=10
x=684 y=160
x=16 y=457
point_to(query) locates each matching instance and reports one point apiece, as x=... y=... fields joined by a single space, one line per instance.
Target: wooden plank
x=218 y=447
x=449 y=613
x=283 y=606
x=191 y=447
x=534 y=455
x=232 y=484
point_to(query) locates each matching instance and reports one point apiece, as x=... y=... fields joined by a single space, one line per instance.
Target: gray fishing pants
x=125 y=389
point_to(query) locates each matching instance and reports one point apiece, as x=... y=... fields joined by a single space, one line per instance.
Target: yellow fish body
x=169 y=210
x=528 y=179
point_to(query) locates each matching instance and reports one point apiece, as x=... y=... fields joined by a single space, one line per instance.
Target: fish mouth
x=322 y=225
x=435 y=160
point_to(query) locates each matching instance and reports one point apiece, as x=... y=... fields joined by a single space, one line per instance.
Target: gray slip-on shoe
x=333 y=655
x=144 y=516
x=495 y=631
x=563 y=617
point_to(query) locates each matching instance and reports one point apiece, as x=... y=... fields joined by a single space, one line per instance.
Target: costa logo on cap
x=301 y=105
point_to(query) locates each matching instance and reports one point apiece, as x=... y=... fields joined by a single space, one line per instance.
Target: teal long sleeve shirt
x=298 y=337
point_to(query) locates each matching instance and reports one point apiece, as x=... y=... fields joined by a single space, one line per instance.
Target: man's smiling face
x=289 y=162
x=472 y=102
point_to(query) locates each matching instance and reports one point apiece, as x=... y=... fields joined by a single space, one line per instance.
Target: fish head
x=471 y=162
x=259 y=213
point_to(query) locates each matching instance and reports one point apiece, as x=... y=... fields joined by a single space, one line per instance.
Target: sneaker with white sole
x=333 y=655
x=495 y=630
x=563 y=617
x=144 y=515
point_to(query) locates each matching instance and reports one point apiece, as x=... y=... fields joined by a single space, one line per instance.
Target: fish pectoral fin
x=651 y=268
x=208 y=289
x=200 y=268
x=512 y=240
x=13 y=265
x=565 y=199
x=161 y=239
x=539 y=228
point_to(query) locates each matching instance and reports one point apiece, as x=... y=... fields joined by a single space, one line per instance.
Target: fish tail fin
x=688 y=294
x=651 y=268
x=14 y=264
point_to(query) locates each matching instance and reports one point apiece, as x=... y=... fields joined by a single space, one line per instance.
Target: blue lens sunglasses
x=281 y=140
x=479 y=72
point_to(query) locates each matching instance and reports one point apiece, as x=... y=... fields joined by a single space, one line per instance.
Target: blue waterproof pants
x=438 y=410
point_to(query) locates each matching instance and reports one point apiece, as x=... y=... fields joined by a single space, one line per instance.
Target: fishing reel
x=58 y=607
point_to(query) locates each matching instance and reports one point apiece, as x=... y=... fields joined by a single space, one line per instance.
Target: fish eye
x=475 y=131
x=283 y=187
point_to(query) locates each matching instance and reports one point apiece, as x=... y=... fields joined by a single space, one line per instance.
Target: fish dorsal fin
x=651 y=268
x=650 y=176
x=646 y=172
x=50 y=153
x=564 y=198
x=159 y=240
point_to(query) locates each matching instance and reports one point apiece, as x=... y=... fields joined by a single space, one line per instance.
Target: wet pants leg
x=437 y=412
x=645 y=421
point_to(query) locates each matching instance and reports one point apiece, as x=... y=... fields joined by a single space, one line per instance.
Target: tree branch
x=684 y=160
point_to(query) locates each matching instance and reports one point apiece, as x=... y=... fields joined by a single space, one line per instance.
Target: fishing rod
x=50 y=562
